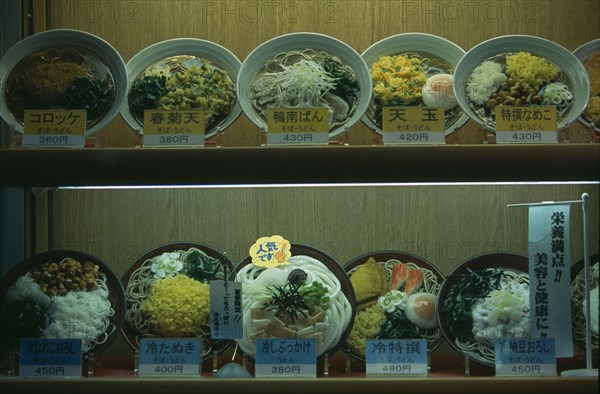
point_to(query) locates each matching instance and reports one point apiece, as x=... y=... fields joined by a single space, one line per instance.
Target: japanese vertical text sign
x=286 y=358
x=226 y=314
x=549 y=275
x=396 y=357
x=50 y=357
x=170 y=357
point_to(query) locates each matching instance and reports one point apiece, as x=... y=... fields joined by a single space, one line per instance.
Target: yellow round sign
x=270 y=251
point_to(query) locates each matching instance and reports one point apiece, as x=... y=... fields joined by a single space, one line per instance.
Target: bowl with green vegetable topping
x=484 y=298
x=62 y=69
x=183 y=74
x=310 y=296
x=305 y=70
x=167 y=294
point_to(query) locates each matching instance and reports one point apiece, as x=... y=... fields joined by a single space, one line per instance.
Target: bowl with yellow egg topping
x=167 y=290
x=413 y=69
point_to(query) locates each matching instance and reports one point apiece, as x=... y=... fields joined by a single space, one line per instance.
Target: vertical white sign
x=549 y=275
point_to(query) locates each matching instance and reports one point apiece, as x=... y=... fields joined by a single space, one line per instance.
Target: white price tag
x=286 y=358
x=396 y=357
x=525 y=357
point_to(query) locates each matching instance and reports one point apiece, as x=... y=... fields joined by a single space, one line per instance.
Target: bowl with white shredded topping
x=484 y=298
x=305 y=70
x=62 y=294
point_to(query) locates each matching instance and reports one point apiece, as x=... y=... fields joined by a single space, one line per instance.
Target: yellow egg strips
x=397 y=79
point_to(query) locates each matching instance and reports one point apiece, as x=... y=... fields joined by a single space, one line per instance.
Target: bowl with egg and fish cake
x=395 y=299
x=520 y=71
x=62 y=69
x=589 y=55
x=413 y=69
x=183 y=74
x=579 y=301
x=62 y=294
x=167 y=294
x=310 y=296
x=305 y=70
x=484 y=298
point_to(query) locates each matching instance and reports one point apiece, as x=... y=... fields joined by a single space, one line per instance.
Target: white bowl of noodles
x=62 y=69
x=434 y=55
x=589 y=55
x=328 y=321
x=484 y=298
x=520 y=70
x=305 y=70
x=180 y=74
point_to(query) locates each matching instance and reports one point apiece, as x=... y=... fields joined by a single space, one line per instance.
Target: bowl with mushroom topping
x=62 y=294
x=520 y=71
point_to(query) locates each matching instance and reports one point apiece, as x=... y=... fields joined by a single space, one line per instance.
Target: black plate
x=577 y=297
x=116 y=295
x=505 y=261
x=335 y=268
x=130 y=333
x=404 y=257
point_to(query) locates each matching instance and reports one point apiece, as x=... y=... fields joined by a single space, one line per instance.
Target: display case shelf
x=446 y=385
x=298 y=165
x=114 y=374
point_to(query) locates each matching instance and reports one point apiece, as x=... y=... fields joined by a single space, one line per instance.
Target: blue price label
x=396 y=357
x=286 y=358
x=50 y=357
x=525 y=357
x=173 y=356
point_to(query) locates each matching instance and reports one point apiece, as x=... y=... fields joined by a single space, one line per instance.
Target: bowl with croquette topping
x=62 y=69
